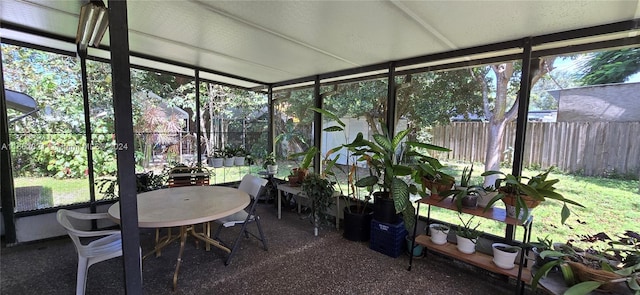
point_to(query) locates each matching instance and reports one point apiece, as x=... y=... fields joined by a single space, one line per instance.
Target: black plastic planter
x=357 y=223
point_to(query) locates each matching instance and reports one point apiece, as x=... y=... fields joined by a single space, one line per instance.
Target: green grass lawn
x=64 y=191
x=70 y=191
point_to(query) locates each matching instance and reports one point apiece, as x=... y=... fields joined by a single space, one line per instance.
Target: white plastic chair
x=253 y=186
x=97 y=250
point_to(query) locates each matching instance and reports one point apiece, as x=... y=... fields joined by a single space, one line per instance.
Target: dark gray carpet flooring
x=296 y=263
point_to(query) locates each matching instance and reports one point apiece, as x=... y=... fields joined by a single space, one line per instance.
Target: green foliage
x=320 y=191
x=468 y=230
x=614 y=66
x=542 y=244
x=429 y=167
x=383 y=157
x=107 y=188
x=307 y=157
x=52 y=143
x=434 y=97
x=466 y=176
x=536 y=187
x=625 y=263
x=269 y=160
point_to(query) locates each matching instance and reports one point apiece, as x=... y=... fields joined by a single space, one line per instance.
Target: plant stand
x=521 y=273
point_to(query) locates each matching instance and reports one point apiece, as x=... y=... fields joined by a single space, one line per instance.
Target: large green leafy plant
x=384 y=157
x=320 y=191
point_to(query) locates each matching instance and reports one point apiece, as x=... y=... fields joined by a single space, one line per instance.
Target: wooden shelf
x=478 y=259
x=497 y=214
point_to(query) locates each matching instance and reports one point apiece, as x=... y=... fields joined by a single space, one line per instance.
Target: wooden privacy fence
x=588 y=148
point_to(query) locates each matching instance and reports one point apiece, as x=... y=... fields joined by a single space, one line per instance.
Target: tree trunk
x=500 y=116
x=494 y=150
x=498 y=119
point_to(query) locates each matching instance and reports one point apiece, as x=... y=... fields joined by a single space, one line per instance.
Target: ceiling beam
x=424 y=24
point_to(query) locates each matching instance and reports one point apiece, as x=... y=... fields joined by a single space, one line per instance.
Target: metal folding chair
x=254 y=186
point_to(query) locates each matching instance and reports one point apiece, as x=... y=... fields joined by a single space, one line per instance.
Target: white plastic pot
x=467 y=246
x=438 y=236
x=229 y=162
x=503 y=259
x=238 y=161
x=485 y=197
x=217 y=162
x=272 y=169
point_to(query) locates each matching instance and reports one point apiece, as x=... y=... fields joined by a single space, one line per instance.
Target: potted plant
x=270 y=164
x=464 y=195
x=428 y=172
x=217 y=159
x=357 y=213
x=239 y=156
x=504 y=255
x=486 y=194
x=228 y=153
x=383 y=156
x=543 y=244
x=320 y=191
x=303 y=169
x=293 y=178
x=521 y=194
x=439 y=233
x=467 y=236
x=609 y=270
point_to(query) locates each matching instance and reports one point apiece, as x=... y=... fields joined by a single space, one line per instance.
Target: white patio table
x=185 y=207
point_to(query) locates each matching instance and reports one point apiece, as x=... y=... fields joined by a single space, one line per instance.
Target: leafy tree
x=497 y=108
x=220 y=106
x=294 y=120
x=615 y=66
x=557 y=79
x=435 y=97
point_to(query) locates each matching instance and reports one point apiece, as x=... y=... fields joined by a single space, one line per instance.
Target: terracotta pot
x=302 y=173
x=510 y=199
x=436 y=187
x=294 y=180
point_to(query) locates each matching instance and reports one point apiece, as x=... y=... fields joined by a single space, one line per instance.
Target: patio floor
x=296 y=263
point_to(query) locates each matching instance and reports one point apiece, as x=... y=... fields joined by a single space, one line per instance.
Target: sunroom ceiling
x=273 y=41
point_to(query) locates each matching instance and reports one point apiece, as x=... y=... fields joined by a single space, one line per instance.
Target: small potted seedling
x=270 y=164
x=439 y=233
x=467 y=236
